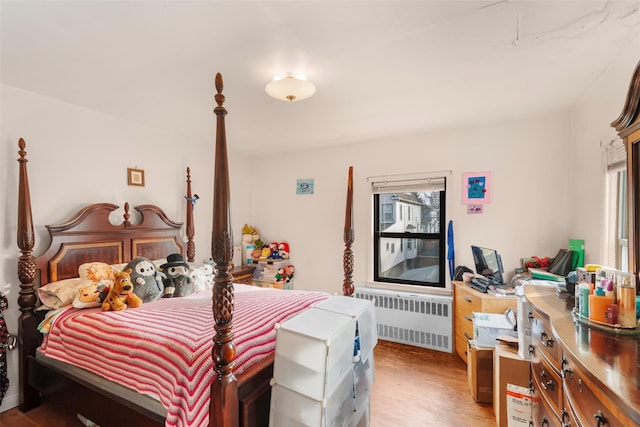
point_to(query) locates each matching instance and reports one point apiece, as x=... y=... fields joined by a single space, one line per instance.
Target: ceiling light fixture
x=290 y=88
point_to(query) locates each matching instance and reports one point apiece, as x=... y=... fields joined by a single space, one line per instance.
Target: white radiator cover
x=416 y=319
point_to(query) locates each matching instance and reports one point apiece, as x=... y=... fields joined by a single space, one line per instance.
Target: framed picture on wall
x=476 y=188
x=135 y=177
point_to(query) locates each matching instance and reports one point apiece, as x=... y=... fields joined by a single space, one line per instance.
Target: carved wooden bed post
x=191 y=246
x=27 y=323
x=347 y=261
x=224 y=410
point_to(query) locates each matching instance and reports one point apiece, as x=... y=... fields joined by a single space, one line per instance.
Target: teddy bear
x=146 y=279
x=178 y=282
x=121 y=294
x=203 y=276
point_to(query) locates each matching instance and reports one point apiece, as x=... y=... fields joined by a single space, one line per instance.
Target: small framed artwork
x=474 y=209
x=476 y=188
x=304 y=186
x=135 y=177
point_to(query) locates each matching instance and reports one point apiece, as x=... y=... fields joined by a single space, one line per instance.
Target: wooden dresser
x=580 y=376
x=466 y=300
x=242 y=274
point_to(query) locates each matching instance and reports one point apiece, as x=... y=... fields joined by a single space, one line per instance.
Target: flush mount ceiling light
x=290 y=88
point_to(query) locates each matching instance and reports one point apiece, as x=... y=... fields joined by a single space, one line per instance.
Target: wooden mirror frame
x=628 y=127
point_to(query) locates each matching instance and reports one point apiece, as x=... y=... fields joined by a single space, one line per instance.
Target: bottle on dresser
x=599 y=305
x=626 y=299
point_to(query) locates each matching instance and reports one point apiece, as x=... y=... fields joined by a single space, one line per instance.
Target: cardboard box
x=518 y=406
x=488 y=326
x=508 y=368
x=480 y=372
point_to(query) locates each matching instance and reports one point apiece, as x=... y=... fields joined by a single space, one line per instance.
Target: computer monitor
x=488 y=264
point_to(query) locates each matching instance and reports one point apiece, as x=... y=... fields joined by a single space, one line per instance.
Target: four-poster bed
x=235 y=398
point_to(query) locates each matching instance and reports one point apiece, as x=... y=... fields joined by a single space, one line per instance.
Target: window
x=616 y=233
x=420 y=231
x=388 y=214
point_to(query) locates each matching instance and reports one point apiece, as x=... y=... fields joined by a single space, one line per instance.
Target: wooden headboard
x=90 y=236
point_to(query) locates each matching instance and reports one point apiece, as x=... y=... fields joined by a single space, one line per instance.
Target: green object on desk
x=577 y=245
x=537 y=273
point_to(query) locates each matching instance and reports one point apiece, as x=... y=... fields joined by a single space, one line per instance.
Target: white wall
x=529 y=213
x=593 y=115
x=78 y=156
x=547 y=184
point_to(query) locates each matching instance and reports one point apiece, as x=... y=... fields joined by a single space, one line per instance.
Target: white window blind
x=615 y=155
x=407 y=183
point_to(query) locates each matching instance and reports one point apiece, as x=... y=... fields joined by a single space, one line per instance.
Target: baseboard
x=10 y=401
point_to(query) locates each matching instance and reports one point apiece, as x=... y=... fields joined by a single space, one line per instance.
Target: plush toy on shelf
x=274 y=253
x=121 y=294
x=288 y=273
x=283 y=250
x=265 y=252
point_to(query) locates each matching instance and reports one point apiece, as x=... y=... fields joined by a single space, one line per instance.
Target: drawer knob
x=566 y=370
x=549 y=385
x=544 y=422
x=600 y=419
x=543 y=375
x=466 y=316
x=547 y=342
x=467 y=299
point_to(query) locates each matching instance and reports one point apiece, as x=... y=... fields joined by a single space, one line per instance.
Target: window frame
x=440 y=237
x=616 y=241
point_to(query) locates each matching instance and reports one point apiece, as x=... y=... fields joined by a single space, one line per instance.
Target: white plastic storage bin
x=363 y=378
x=361 y=417
x=364 y=311
x=291 y=409
x=314 y=351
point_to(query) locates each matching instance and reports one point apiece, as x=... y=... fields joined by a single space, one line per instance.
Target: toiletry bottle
x=583 y=294
x=598 y=305
x=612 y=314
x=626 y=299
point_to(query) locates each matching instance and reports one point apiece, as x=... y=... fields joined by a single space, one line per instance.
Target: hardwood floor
x=420 y=387
x=413 y=387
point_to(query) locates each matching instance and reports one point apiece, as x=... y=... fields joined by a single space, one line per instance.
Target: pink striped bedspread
x=163 y=348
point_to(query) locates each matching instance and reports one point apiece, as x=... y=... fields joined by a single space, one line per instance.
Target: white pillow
x=59 y=294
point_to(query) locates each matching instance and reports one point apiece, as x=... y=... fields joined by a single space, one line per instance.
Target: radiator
x=414 y=319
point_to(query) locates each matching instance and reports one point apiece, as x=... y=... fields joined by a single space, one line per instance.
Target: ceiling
x=381 y=68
